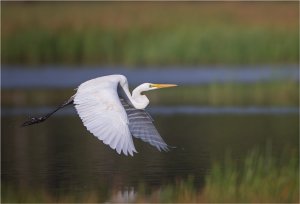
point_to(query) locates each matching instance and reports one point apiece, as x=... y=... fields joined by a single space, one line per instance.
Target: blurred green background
x=149 y=33
x=160 y=35
x=220 y=157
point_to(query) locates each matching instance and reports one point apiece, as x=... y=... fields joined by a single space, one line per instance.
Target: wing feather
x=125 y=148
x=99 y=107
x=141 y=126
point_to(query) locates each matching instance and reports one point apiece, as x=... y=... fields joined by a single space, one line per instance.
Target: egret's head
x=141 y=101
x=150 y=86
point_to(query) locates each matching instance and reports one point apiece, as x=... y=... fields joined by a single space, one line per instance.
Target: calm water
x=58 y=77
x=61 y=156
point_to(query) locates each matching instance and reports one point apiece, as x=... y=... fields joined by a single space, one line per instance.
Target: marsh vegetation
x=152 y=33
x=244 y=156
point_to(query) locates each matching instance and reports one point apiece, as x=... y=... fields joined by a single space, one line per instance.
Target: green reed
x=258 y=177
x=148 y=35
x=273 y=93
x=181 y=46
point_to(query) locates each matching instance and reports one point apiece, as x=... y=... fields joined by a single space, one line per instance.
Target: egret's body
x=112 y=114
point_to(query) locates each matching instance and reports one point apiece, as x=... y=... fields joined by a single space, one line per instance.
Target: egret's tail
x=36 y=120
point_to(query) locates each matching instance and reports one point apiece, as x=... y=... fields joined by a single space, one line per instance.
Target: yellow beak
x=159 y=86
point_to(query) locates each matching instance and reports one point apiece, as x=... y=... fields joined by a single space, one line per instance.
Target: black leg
x=36 y=120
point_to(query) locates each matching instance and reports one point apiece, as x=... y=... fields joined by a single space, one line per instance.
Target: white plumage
x=98 y=105
x=112 y=114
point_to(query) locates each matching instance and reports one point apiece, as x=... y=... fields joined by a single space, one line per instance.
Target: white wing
x=98 y=105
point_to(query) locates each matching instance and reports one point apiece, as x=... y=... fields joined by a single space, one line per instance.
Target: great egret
x=112 y=114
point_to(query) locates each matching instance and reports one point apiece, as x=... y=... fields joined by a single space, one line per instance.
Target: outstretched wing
x=141 y=126
x=98 y=105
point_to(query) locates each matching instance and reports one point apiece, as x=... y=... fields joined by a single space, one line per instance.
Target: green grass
x=188 y=46
x=136 y=34
x=274 y=93
x=259 y=177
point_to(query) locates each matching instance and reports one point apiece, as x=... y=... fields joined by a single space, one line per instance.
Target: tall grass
x=259 y=177
x=149 y=34
x=187 y=46
x=275 y=93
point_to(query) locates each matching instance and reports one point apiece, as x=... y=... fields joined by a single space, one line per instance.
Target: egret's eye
x=150 y=85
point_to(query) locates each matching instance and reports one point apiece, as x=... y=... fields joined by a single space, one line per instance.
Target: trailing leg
x=36 y=120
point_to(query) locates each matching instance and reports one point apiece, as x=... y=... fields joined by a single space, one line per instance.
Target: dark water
x=58 y=77
x=61 y=156
x=165 y=110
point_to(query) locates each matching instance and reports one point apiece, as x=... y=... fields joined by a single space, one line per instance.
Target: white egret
x=112 y=114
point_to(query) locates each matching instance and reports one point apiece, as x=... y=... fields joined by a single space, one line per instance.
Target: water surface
x=65 y=77
x=60 y=155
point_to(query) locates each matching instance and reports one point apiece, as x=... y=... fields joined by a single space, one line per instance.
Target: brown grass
x=123 y=15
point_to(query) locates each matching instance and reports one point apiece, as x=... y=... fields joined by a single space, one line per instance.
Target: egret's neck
x=139 y=101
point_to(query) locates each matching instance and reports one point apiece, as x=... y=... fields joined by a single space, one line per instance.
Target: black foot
x=34 y=121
